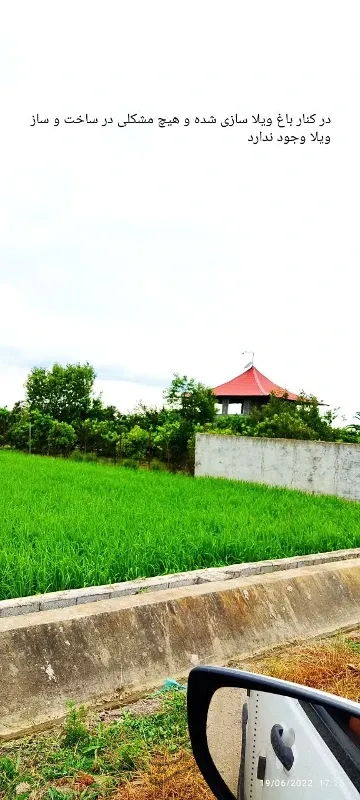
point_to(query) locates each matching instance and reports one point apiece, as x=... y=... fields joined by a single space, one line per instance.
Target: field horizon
x=66 y=525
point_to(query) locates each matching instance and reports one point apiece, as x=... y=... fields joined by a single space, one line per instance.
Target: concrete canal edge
x=104 y=652
x=92 y=594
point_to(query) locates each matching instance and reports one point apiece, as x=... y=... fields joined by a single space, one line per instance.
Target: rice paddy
x=66 y=525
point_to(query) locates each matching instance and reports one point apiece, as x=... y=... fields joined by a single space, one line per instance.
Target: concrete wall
x=319 y=467
x=105 y=651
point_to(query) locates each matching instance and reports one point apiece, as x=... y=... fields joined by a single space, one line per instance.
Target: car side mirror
x=256 y=737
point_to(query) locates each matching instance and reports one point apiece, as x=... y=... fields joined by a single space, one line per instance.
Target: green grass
x=66 y=525
x=49 y=765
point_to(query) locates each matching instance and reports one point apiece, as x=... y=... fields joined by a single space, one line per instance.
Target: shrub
x=130 y=463
x=157 y=466
x=135 y=443
x=62 y=438
x=84 y=458
x=76 y=456
x=90 y=458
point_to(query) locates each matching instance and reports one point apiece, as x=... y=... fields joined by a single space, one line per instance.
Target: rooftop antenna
x=251 y=363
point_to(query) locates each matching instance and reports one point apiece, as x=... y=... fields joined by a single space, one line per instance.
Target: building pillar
x=225 y=407
x=246 y=406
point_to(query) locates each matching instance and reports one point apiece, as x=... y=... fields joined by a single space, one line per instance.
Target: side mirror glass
x=257 y=737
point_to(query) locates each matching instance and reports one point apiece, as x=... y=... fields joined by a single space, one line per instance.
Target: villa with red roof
x=251 y=388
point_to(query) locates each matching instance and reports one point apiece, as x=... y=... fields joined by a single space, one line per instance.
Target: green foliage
x=148 y=418
x=8 y=771
x=63 y=396
x=75 y=730
x=62 y=438
x=42 y=429
x=56 y=794
x=354 y=428
x=194 y=402
x=135 y=442
x=235 y=423
x=130 y=463
x=4 y=426
x=99 y=436
x=165 y=438
x=85 y=458
x=76 y=455
x=19 y=434
x=348 y=435
x=62 y=392
x=171 y=440
x=157 y=466
x=280 y=418
x=102 y=413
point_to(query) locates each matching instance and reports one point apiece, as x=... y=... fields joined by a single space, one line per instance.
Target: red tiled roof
x=251 y=384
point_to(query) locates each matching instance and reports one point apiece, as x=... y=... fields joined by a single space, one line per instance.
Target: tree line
x=61 y=415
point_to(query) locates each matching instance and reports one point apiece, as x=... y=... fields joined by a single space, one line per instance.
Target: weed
x=332 y=666
x=86 y=759
x=130 y=463
x=8 y=771
x=75 y=730
x=55 y=794
x=157 y=466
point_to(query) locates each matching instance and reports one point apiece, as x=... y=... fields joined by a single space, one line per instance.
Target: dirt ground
x=329 y=663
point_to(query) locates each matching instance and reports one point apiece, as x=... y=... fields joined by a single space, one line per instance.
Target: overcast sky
x=148 y=250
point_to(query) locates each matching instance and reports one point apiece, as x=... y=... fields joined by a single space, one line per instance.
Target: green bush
x=90 y=458
x=76 y=456
x=135 y=443
x=62 y=438
x=157 y=466
x=84 y=458
x=75 y=729
x=130 y=463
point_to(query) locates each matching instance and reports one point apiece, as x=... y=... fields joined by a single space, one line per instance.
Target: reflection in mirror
x=265 y=745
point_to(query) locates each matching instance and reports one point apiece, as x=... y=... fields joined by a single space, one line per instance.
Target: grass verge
x=136 y=755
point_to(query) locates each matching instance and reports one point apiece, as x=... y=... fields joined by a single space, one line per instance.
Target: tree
x=62 y=438
x=5 y=416
x=355 y=426
x=19 y=433
x=135 y=443
x=281 y=418
x=171 y=441
x=165 y=438
x=236 y=423
x=102 y=413
x=41 y=428
x=62 y=392
x=105 y=438
x=17 y=410
x=193 y=401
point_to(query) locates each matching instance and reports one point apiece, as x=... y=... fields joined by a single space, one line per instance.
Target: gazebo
x=251 y=388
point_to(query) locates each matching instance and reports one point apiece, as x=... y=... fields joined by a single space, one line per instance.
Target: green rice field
x=66 y=525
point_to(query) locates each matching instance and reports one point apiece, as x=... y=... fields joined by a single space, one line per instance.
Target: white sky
x=150 y=251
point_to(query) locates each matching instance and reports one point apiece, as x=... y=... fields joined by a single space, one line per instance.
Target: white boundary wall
x=317 y=467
